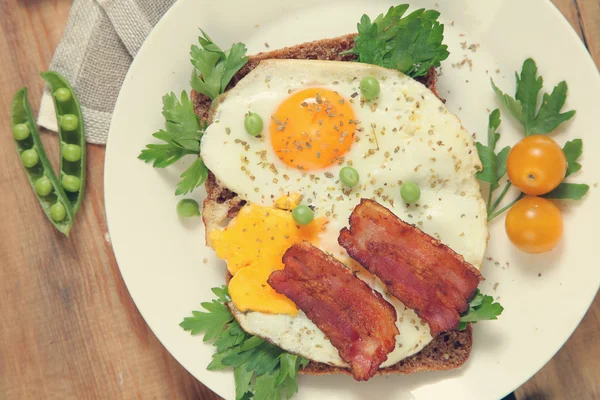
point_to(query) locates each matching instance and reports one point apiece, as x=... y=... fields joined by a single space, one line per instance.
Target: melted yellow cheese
x=253 y=245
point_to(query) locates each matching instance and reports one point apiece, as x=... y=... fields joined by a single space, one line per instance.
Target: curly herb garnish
x=411 y=44
x=217 y=67
x=182 y=135
x=260 y=369
x=481 y=308
x=183 y=129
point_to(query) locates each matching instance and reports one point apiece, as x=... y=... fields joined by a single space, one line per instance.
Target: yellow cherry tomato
x=534 y=225
x=536 y=165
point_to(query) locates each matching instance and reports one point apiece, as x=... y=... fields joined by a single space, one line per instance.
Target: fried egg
x=315 y=123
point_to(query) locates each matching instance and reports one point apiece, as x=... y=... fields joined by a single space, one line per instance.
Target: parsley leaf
x=568 y=191
x=260 y=369
x=211 y=322
x=528 y=88
x=515 y=107
x=501 y=162
x=488 y=160
x=549 y=116
x=410 y=44
x=494 y=122
x=573 y=150
x=494 y=166
x=481 y=308
x=524 y=106
x=242 y=379
x=231 y=336
x=162 y=155
x=183 y=127
x=216 y=67
x=287 y=367
x=182 y=135
x=263 y=388
x=192 y=177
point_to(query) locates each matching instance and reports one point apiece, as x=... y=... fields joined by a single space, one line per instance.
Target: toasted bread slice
x=448 y=350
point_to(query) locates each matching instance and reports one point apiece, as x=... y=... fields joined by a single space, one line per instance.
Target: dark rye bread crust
x=447 y=351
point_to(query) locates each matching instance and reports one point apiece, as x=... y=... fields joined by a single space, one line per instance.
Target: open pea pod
x=41 y=176
x=71 y=135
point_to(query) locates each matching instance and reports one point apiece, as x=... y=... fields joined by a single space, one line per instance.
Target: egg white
x=299 y=335
x=406 y=134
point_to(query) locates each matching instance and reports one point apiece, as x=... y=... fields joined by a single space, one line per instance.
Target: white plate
x=169 y=271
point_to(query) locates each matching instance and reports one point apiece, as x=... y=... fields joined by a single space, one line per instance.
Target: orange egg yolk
x=312 y=129
x=253 y=245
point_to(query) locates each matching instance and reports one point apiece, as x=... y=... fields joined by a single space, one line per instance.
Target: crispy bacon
x=420 y=271
x=357 y=320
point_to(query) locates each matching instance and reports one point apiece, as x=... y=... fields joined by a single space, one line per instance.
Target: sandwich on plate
x=316 y=126
x=342 y=195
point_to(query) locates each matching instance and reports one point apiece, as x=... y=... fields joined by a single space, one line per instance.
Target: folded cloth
x=100 y=41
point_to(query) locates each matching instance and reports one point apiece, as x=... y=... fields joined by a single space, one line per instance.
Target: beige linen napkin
x=100 y=41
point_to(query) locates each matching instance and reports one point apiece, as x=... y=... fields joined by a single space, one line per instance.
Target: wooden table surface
x=68 y=327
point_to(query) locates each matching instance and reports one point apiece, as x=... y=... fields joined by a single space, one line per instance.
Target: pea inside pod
x=30 y=158
x=43 y=186
x=37 y=167
x=71 y=152
x=71 y=135
x=20 y=131
x=62 y=94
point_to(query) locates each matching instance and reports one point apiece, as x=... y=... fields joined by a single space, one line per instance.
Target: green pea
x=30 y=158
x=253 y=124
x=43 y=187
x=303 y=215
x=70 y=183
x=58 y=212
x=349 y=176
x=69 y=122
x=188 y=208
x=71 y=152
x=410 y=192
x=62 y=95
x=20 y=131
x=369 y=87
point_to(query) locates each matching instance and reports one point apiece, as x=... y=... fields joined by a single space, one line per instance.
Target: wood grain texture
x=69 y=328
x=588 y=15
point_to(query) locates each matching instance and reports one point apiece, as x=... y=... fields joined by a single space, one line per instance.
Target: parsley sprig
x=481 y=308
x=217 y=67
x=535 y=120
x=524 y=105
x=182 y=135
x=261 y=370
x=494 y=165
x=570 y=191
x=183 y=130
x=411 y=44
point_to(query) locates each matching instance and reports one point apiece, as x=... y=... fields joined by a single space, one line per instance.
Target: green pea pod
x=20 y=114
x=71 y=135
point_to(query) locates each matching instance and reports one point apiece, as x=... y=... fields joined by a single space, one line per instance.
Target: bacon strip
x=357 y=320
x=420 y=271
